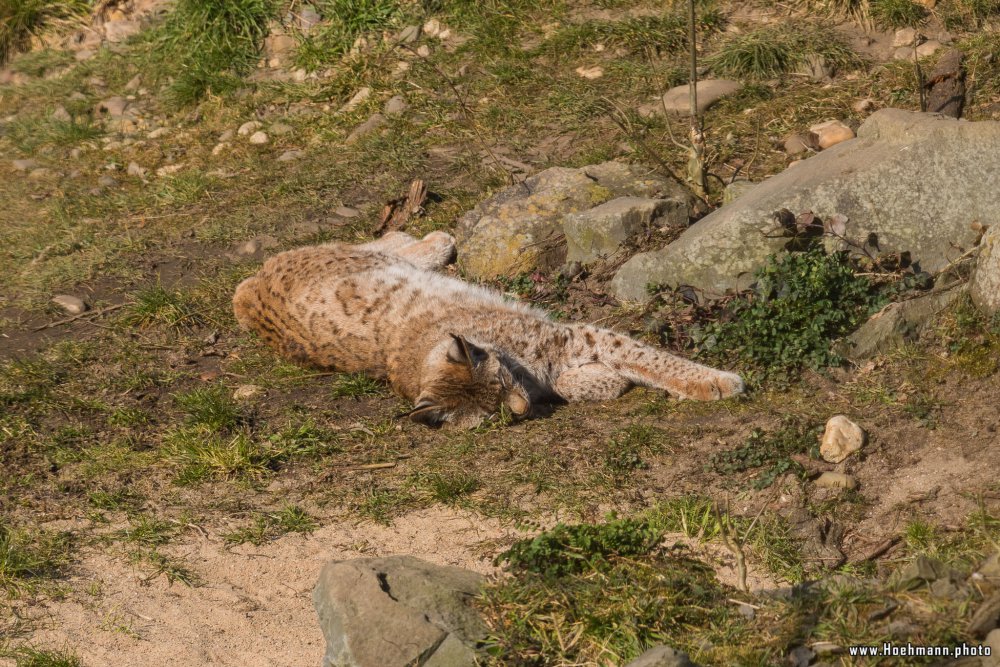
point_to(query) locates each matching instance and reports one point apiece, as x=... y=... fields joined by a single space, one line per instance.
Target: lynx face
x=471 y=385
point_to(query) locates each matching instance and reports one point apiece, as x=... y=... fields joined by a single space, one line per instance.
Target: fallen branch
x=89 y=313
x=880 y=549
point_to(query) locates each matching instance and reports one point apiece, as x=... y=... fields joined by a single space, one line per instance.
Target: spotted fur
x=460 y=352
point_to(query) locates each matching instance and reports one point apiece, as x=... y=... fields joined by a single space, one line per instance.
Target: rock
x=278 y=48
x=986 y=617
x=398 y=611
x=134 y=83
x=228 y=135
x=836 y=480
x=904 y=37
x=423 y=50
x=990 y=568
x=928 y=48
x=248 y=128
x=408 y=35
x=894 y=325
x=113 y=107
x=946 y=85
x=158 y=133
x=993 y=641
x=281 y=129
x=662 y=656
x=40 y=173
x=135 y=170
x=796 y=144
x=370 y=125
x=61 y=115
x=245 y=392
x=219 y=148
x=677 y=100
x=866 y=105
x=432 y=28
x=520 y=228
x=831 y=133
x=71 y=304
x=395 y=106
x=871 y=180
x=591 y=73
x=119 y=31
x=169 y=169
x=359 y=97
x=107 y=181
x=921 y=571
x=735 y=190
x=603 y=230
x=817 y=69
x=259 y=138
x=290 y=156
x=308 y=18
x=346 y=212
x=841 y=438
x=24 y=165
x=801 y=656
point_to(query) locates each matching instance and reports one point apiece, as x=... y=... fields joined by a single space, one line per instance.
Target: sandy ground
x=253 y=607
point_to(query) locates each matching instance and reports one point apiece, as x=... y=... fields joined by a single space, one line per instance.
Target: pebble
x=346 y=212
x=61 y=114
x=423 y=50
x=40 y=173
x=409 y=34
x=841 y=438
x=866 y=105
x=993 y=641
x=395 y=106
x=107 y=181
x=259 y=138
x=219 y=148
x=365 y=128
x=831 y=133
x=357 y=99
x=432 y=28
x=169 y=169
x=280 y=129
x=251 y=247
x=135 y=170
x=24 y=165
x=134 y=83
x=836 y=480
x=71 y=304
x=290 y=156
x=249 y=127
x=113 y=106
x=228 y=135
x=904 y=37
x=247 y=391
x=158 y=133
x=928 y=48
x=590 y=72
x=796 y=144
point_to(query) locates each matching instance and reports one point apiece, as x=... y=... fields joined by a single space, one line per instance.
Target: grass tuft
x=29 y=556
x=23 y=20
x=773 y=51
x=158 y=305
x=29 y=656
x=269 y=526
x=897 y=13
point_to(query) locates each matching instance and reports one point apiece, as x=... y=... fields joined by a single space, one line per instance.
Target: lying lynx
x=461 y=352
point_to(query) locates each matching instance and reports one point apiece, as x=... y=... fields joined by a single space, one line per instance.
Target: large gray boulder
x=397 y=612
x=519 y=229
x=916 y=180
x=985 y=285
x=603 y=230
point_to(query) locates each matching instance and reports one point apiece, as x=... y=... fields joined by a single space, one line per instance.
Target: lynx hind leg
x=434 y=251
x=591 y=382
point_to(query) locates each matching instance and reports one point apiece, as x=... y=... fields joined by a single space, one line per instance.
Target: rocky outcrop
x=916 y=180
x=520 y=228
x=396 y=612
x=985 y=286
x=894 y=325
x=601 y=231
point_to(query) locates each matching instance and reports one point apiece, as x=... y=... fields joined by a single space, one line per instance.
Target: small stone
x=61 y=115
x=228 y=135
x=357 y=99
x=290 y=156
x=281 y=129
x=77 y=96
x=836 y=480
x=24 y=165
x=801 y=656
x=158 y=133
x=107 y=182
x=259 y=138
x=423 y=50
x=826 y=648
x=904 y=37
x=432 y=28
x=249 y=128
x=903 y=53
x=40 y=173
x=71 y=304
x=346 y=212
x=134 y=83
x=797 y=144
x=135 y=170
x=867 y=105
x=364 y=128
x=591 y=73
x=395 y=106
x=169 y=170
x=246 y=392
x=677 y=100
x=113 y=107
x=841 y=438
x=928 y=48
x=831 y=133
x=251 y=247
x=919 y=572
x=309 y=18
x=409 y=34
x=209 y=376
x=219 y=148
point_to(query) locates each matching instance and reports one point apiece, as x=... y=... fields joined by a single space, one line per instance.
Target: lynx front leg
x=434 y=251
x=651 y=367
x=591 y=382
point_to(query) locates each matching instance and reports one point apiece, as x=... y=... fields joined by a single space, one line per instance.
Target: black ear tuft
x=462 y=351
x=428 y=414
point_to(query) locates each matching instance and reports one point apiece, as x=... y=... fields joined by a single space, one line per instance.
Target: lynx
x=462 y=353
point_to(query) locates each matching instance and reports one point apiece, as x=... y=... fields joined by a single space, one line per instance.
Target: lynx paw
x=720 y=385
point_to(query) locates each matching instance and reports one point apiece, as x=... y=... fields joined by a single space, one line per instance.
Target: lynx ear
x=462 y=351
x=518 y=403
x=428 y=414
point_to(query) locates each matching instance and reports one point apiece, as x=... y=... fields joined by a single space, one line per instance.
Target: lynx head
x=467 y=386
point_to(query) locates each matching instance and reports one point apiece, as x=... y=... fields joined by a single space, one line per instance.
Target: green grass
x=200 y=454
x=23 y=20
x=30 y=656
x=771 y=52
x=357 y=385
x=268 y=526
x=766 y=454
x=348 y=20
x=624 y=453
x=157 y=305
x=28 y=557
x=212 y=407
x=665 y=34
x=29 y=133
x=897 y=13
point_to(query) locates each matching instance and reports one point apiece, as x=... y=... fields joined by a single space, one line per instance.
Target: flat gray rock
x=894 y=325
x=603 y=230
x=916 y=180
x=677 y=100
x=396 y=612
